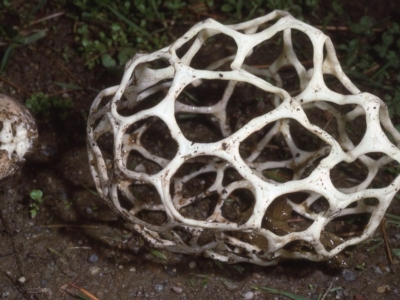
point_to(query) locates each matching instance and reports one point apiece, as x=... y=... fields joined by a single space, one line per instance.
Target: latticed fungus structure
x=244 y=143
x=18 y=134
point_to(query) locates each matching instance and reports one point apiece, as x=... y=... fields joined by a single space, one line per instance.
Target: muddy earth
x=77 y=248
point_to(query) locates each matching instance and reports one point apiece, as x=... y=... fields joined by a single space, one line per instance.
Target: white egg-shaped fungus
x=18 y=133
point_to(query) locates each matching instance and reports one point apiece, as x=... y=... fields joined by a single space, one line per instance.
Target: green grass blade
x=31 y=38
x=28 y=18
x=81 y=296
x=154 y=6
x=279 y=292
x=157 y=253
x=38 y=6
x=68 y=86
x=6 y=57
x=127 y=21
x=391 y=216
x=396 y=252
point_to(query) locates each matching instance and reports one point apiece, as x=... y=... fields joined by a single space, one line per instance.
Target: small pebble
x=22 y=279
x=260 y=105
x=192 y=265
x=231 y=286
x=349 y=275
x=385 y=269
x=177 y=289
x=248 y=295
x=204 y=213
x=140 y=168
x=133 y=269
x=171 y=271
x=89 y=210
x=377 y=270
x=44 y=283
x=158 y=288
x=93 y=258
x=94 y=270
x=339 y=294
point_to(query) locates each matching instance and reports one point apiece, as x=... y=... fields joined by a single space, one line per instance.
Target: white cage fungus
x=209 y=147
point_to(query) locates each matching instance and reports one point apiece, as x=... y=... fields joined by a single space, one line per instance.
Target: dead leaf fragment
x=383 y=289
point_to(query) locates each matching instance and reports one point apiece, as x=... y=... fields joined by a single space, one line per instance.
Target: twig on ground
x=387 y=247
x=372 y=70
x=349 y=234
x=19 y=287
x=70 y=74
x=5 y=80
x=327 y=291
x=342 y=28
x=60 y=93
x=68 y=225
x=83 y=291
x=305 y=62
x=47 y=18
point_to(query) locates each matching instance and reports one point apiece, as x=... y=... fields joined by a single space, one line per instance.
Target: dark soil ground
x=77 y=241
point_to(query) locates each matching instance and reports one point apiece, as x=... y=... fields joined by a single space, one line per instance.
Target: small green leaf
x=115 y=27
x=52 y=251
x=387 y=38
x=204 y=282
x=33 y=212
x=175 y=6
x=192 y=281
x=396 y=252
x=141 y=8
x=366 y=21
x=337 y=8
x=36 y=195
x=239 y=269
x=107 y=61
x=226 y=8
x=360 y=267
x=125 y=54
